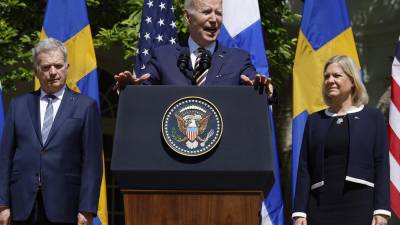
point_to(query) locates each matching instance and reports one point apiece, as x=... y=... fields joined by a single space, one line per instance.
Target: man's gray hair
x=47 y=45
x=189 y=5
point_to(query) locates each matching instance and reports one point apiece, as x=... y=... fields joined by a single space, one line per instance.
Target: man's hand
x=260 y=81
x=300 y=221
x=85 y=218
x=5 y=216
x=379 y=220
x=127 y=78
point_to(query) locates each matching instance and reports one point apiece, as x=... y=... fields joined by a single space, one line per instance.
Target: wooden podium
x=223 y=187
x=155 y=207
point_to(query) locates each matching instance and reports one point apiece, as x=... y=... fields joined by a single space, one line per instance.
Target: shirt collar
x=193 y=46
x=59 y=94
x=352 y=110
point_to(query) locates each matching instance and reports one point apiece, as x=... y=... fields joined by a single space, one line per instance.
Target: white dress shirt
x=56 y=104
x=193 y=46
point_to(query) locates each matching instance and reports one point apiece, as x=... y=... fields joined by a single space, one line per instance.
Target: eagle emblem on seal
x=192 y=126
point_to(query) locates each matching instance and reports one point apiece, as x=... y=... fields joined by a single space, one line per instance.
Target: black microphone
x=205 y=59
x=183 y=63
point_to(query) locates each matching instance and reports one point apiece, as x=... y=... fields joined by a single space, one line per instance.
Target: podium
x=224 y=186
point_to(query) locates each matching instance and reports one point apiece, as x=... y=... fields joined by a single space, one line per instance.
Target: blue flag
x=157 y=28
x=242 y=29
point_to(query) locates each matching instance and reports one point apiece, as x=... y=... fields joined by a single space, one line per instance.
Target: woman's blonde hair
x=359 y=93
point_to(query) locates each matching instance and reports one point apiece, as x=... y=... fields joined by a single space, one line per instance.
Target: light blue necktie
x=48 y=117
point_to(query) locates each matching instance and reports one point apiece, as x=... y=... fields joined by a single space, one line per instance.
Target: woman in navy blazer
x=343 y=174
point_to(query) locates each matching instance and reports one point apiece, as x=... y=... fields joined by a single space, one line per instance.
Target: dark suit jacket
x=368 y=157
x=69 y=162
x=227 y=64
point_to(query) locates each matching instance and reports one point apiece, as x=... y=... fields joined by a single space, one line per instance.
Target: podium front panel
x=242 y=160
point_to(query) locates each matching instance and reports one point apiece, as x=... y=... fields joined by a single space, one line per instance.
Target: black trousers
x=38 y=215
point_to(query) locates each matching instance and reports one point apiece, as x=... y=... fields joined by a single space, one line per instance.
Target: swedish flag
x=68 y=22
x=325 y=31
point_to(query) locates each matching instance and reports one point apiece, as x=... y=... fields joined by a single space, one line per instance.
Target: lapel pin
x=221 y=56
x=356 y=117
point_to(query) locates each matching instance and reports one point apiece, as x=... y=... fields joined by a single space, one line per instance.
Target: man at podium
x=202 y=60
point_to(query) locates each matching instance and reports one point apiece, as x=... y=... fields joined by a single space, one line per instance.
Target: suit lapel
x=64 y=111
x=218 y=59
x=355 y=125
x=34 y=112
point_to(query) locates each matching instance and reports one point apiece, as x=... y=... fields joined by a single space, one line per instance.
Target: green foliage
x=93 y=3
x=279 y=46
x=124 y=30
x=20 y=22
x=181 y=26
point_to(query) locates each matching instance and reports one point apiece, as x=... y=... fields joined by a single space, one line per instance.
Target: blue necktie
x=48 y=117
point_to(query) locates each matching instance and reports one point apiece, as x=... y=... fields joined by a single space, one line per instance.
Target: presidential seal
x=192 y=126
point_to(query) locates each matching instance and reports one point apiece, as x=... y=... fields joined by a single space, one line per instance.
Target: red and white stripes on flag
x=394 y=135
x=191 y=133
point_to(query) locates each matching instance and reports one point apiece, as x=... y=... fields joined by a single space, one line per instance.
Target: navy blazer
x=368 y=157
x=69 y=162
x=227 y=64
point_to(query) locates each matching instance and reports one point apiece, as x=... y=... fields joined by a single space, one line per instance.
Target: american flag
x=394 y=135
x=157 y=28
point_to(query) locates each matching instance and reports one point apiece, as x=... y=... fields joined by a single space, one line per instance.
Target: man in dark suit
x=50 y=153
x=229 y=66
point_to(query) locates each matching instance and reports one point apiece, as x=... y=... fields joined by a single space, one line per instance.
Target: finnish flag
x=242 y=29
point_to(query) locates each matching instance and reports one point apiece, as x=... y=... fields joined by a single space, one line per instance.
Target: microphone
x=183 y=63
x=205 y=59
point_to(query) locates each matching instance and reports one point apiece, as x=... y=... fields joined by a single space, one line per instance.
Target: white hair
x=46 y=45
